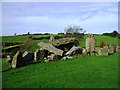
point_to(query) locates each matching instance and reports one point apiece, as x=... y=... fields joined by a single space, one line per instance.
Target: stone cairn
x=63 y=48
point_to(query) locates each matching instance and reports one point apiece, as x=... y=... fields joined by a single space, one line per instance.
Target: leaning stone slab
x=16 y=59
x=50 y=48
x=64 y=41
x=74 y=50
x=27 y=57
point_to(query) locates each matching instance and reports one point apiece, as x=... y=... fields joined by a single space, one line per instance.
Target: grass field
x=20 y=39
x=80 y=72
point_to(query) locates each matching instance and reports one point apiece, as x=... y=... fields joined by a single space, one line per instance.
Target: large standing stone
x=90 y=43
x=74 y=50
x=50 y=48
x=103 y=51
x=16 y=59
x=111 y=49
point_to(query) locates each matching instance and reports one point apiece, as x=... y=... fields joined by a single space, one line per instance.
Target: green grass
x=13 y=39
x=79 y=72
x=20 y=39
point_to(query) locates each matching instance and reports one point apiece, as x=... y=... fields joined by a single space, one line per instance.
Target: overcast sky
x=50 y=17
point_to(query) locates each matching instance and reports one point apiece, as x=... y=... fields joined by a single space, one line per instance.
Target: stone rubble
x=52 y=51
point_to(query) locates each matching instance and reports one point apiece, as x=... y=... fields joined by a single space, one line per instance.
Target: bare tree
x=74 y=30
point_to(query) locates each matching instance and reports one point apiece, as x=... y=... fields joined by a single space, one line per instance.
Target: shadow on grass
x=21 y=66
x=7 y=69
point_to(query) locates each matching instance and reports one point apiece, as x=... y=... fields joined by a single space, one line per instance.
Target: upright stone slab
x=117 y=48
x=111 y=49
x=16 y=60
x=90 y=43
x=103 y=51
x=52 y=39
x=84 y=51
x=87 y=44
x=9 y=60
x=37 y=55
x=114 y=46
x=50 y=48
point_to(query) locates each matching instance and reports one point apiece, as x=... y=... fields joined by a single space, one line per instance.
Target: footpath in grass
x=79 y=72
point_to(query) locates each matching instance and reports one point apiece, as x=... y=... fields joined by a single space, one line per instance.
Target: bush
x=26 y=45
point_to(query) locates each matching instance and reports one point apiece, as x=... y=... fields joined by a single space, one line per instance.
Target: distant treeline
x=112 y=34
x=38 y=34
